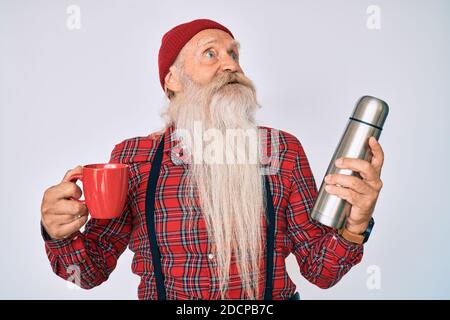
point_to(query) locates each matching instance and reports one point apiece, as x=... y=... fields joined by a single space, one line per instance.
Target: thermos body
x=367 y=120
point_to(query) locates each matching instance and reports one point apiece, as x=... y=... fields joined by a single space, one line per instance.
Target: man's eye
x=234 y=56
x=210 y=53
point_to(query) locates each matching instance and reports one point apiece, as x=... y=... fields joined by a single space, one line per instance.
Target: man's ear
x=172 y=80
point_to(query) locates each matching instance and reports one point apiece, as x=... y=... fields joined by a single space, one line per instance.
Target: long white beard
x=230 y=193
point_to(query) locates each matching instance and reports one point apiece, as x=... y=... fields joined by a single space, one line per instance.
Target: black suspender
x=149 y=213
x=270 y=240
x=150 y=217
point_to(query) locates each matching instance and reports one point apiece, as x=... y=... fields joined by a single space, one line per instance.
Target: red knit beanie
x=175 y=39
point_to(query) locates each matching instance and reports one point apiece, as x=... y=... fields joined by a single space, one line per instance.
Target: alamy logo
x=74 y=279
x=374 y=280
x=235 y=146
x=374 y=18
x=73 y=21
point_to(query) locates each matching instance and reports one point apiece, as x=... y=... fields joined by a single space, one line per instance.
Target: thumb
x=77 y=170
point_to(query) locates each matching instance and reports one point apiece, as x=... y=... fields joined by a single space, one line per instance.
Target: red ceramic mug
x=105 y=188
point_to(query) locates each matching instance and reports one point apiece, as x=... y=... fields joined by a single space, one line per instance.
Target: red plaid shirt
x=187 y=258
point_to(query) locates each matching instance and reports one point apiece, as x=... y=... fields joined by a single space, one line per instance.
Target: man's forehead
x=208 y=36
x=209 y=40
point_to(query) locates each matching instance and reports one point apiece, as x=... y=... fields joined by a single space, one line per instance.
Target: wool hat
x=174 y=40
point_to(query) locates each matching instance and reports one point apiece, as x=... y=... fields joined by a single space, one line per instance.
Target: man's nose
x=230 y=65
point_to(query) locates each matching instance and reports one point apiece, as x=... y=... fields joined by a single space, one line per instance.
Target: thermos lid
x=371 y=110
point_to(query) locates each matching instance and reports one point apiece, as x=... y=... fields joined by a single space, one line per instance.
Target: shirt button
x=210 y=256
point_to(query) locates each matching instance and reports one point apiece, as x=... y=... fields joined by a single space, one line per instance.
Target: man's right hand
x=61 y=216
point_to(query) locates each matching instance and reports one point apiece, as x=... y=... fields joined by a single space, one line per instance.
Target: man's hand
x=61 y=216
x=362 y=193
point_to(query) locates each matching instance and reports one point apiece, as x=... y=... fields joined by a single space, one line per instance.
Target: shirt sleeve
x=87 y=258
x=324 y=257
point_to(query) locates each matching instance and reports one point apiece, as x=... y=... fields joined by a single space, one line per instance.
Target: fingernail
x=338 y=162
x=327 y=178
x=328 y=188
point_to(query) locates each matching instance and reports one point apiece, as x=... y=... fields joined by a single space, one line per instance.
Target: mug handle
x=74 y=178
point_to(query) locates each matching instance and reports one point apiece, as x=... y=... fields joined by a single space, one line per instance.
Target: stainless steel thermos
x=367 y=120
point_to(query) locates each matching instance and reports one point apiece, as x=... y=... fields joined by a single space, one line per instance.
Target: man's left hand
x=362 y=193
